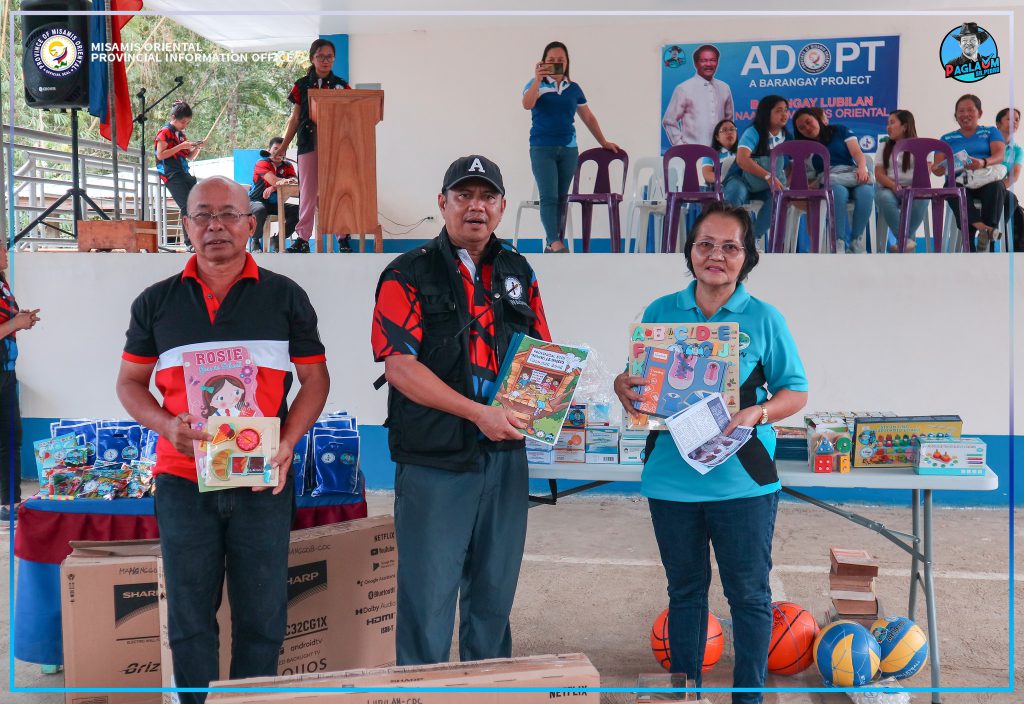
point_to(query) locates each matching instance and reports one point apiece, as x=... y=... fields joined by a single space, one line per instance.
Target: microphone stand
x=141 y=119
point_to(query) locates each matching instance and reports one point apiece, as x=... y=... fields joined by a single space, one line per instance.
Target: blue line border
x=587 y=13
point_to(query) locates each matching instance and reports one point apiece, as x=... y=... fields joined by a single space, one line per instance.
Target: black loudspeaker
x=55 y=54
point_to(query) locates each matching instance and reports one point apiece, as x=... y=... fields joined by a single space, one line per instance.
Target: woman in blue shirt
x=984 y=147
x=733 y=506
x=12 y=319
x=848 y=175
x=748 y=178
x=554 y=100
x=1013 y=160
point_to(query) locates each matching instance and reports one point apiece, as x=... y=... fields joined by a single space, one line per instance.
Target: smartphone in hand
x=554 y=68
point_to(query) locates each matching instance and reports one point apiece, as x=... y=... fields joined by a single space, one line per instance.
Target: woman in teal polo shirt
x=554 y=100
x=733 y=506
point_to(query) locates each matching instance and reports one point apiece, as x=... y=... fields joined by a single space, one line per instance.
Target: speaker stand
x=76 y=193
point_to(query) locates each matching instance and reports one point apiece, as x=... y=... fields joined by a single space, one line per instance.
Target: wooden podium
x=346 y=145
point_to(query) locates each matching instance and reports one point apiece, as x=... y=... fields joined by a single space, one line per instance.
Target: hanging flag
x=99 y=87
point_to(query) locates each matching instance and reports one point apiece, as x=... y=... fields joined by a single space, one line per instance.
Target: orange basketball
x=659 y=641
x=792 y=646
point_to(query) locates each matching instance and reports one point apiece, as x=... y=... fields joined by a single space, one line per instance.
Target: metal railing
x=41 y=174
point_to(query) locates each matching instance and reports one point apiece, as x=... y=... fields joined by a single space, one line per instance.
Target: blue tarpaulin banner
x=854 y=79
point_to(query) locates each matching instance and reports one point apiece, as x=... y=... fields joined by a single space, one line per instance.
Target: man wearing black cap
x=444 y=316
x=971 y=39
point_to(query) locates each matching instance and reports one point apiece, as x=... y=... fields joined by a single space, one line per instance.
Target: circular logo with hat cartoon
x=673 y=56
x=968 y=53
x=58 y=52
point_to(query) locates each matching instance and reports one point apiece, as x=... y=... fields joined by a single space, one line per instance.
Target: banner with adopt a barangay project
x=853 y=79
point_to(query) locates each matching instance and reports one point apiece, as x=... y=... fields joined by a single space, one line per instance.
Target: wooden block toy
x=844 y=464
x=823 y=464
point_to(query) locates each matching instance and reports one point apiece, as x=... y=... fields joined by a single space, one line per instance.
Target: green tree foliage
x=241 y=103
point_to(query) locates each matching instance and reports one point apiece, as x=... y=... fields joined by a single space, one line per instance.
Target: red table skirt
x=60 y=529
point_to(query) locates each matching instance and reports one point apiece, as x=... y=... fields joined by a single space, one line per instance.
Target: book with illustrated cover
x=220 y=384
x=536 y=382
x=684 y=363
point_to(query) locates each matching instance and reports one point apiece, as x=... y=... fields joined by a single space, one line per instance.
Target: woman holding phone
x=554 y=100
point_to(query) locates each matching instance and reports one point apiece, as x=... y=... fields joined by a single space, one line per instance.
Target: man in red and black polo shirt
x=444 y=316
x=222 y=299
x=270 y=171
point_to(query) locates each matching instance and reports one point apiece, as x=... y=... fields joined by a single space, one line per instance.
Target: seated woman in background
x=748 y=178
x=848 y=175
x=724 y=140
x=984 y=147
x=1013 y=160
x=889 y=176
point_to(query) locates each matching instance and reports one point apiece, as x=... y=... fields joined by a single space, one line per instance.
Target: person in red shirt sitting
x=271 y=171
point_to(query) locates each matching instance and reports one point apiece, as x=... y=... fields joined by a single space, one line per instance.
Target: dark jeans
x=180 y=184
x=991 y=196
x=10 y=440
x=244 y=534
x=741 y=531
x=553 y=168
x=461 y=537
x=260 y=212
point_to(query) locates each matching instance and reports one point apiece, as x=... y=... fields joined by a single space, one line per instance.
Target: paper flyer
x=697 y=432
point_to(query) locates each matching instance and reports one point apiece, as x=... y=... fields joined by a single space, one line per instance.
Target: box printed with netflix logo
x=342 y=584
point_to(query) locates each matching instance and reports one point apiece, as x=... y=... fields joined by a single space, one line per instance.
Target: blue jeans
x=889 y=206
x=739 y=188
x=553 y=168
x=244 y=534
x=863 y=196
x=461 y=536
x=741 y=531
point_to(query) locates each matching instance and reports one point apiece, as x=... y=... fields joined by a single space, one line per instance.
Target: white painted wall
x=912 y=334
x=454 y=88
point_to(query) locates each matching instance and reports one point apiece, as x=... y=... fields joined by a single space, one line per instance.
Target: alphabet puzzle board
x=683 y=362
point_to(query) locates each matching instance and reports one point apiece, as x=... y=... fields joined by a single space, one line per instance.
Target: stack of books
x=852 y=586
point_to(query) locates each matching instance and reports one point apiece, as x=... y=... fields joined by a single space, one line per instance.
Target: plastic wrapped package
x=595 y=388
x=873 y=694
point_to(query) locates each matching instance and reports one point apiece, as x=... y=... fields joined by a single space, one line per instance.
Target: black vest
x=421 y=435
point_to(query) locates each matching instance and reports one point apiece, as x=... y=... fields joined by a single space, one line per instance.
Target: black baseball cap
x=473 y=166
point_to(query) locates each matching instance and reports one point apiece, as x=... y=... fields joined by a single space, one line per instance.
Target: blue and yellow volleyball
x=846 y=654
x=903 y=646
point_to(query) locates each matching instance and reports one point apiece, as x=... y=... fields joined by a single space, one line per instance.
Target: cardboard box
x=602 y=457
x=342 y=584
x=570 y=439
x=852 y=561
x=866 y=620
x=632 y=453
x=569 y=456
x=854 y=603
x=109 y=619
x=548 y=671
x=890 y=442
x=850 y=583
x=602 y=439
x=540 y=456
x=828 y=434
x=963 y=457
